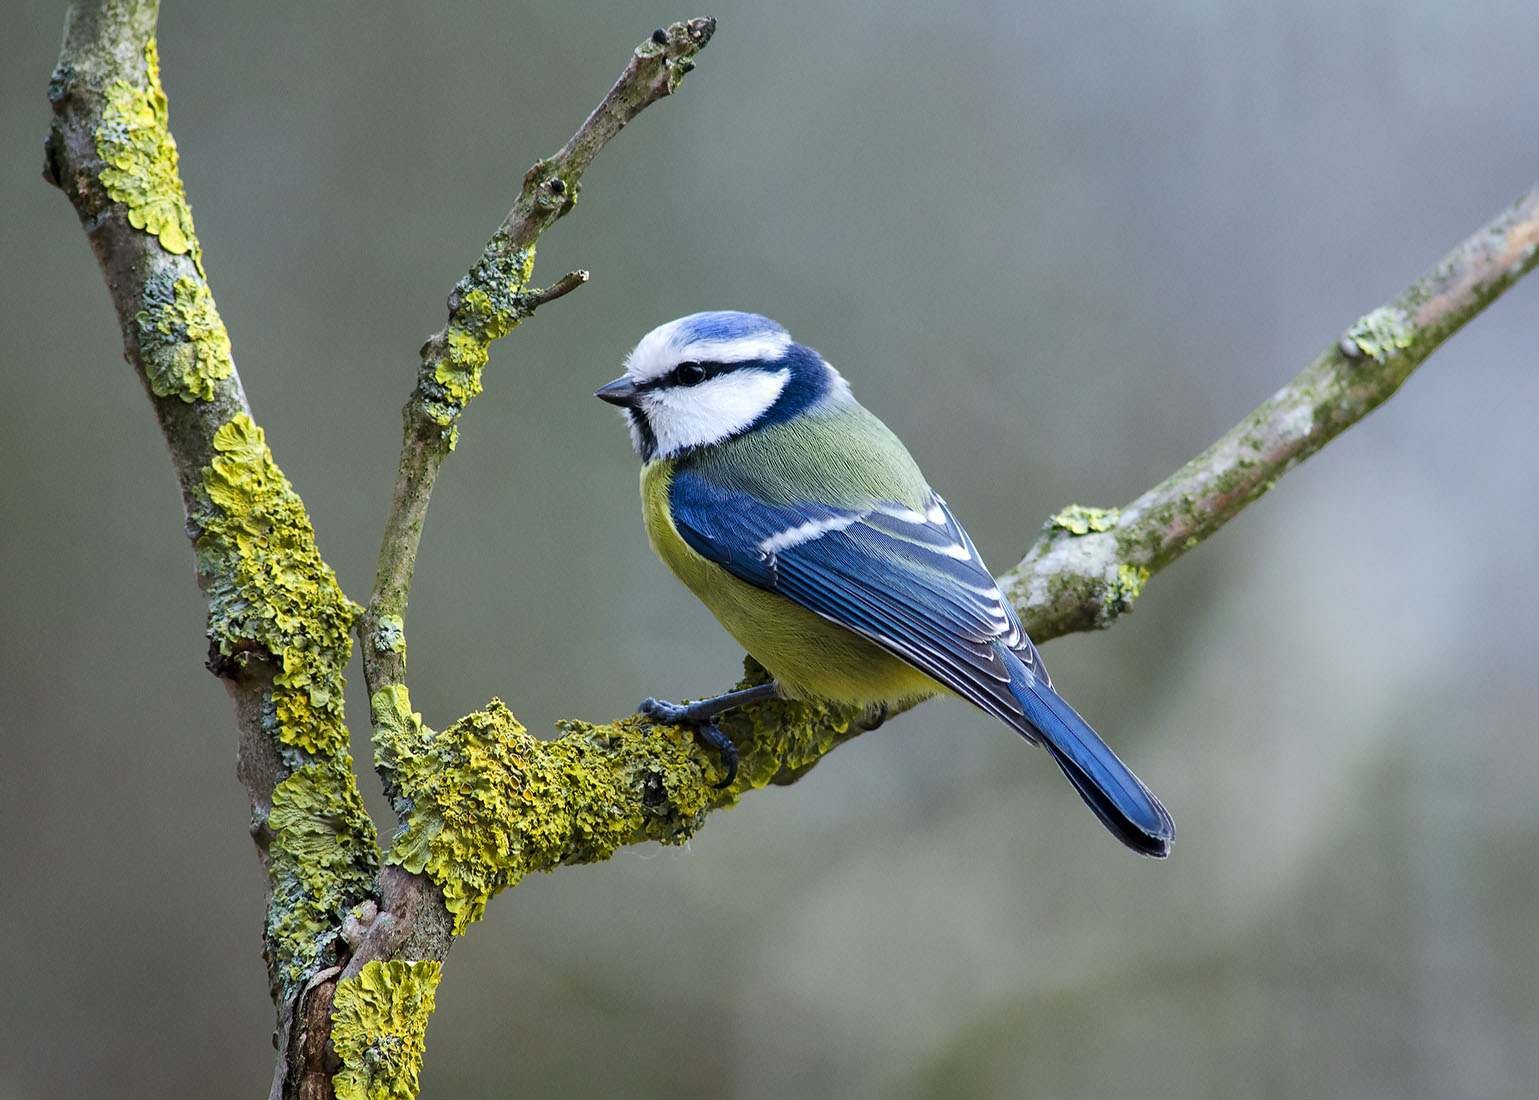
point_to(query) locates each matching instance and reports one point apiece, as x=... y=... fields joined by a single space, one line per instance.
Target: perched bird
x=806 y=528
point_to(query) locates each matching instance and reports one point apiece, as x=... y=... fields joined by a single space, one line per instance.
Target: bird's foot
x=703 y=726
x=660 y=710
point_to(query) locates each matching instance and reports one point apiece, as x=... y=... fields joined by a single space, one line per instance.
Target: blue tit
x=807 y=529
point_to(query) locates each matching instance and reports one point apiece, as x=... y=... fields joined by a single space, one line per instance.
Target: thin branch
x=1089 y=565
x=560 y=288
x=491 y=300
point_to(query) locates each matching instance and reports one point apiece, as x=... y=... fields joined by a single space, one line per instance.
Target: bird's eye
x=689 y=374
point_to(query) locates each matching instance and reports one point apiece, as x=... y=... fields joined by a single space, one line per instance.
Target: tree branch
x=489 y=302
x=1089 y=565
x=279 y=627
x=487 y=803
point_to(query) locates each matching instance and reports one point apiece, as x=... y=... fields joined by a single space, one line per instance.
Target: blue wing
x=912 y=582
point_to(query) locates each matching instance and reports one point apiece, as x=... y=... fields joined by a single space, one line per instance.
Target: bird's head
x=708 y=377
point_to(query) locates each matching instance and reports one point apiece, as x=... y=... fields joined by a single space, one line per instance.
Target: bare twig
x=560 y=288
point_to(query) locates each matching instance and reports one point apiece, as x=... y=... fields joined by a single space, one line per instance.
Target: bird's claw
x=674 y=714
x=660 y=710
x=712 y=735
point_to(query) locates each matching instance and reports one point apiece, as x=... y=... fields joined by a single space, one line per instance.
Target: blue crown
x=727 y=324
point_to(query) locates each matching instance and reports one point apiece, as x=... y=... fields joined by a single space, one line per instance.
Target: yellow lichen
x=486 y=803
x=270 y=590
x=379 y=1024
x=321 y=861
x=1080 y=520
x=185 y=347
x=1382 y=334
x=488 y=303
x=1121 y=594
x=141 y=161
x=459 y=371
x=783 y=738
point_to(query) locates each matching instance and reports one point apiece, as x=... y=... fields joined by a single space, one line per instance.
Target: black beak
x=622 y=392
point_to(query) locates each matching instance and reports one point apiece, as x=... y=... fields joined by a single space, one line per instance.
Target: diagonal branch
x=491 y=300
x=1089 y=565
x=535 y=805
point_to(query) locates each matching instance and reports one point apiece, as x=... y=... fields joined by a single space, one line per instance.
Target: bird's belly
x=809 y=657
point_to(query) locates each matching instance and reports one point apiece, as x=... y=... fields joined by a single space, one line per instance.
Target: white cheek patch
x=638 y=440
x=682 y=417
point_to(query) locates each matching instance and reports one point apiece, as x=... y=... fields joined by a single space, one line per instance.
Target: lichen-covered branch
x=279 y=627
x=485 y=803
x=378 y=1025
x=492 y=299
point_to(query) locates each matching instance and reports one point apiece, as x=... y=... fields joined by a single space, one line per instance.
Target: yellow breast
x=809 y=656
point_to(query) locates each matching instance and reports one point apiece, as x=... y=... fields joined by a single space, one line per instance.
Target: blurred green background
x=1058 y=249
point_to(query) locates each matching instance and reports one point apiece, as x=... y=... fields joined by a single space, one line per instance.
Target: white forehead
x=718 y=337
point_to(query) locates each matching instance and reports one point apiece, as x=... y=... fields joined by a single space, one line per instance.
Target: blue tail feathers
x=1118 y=797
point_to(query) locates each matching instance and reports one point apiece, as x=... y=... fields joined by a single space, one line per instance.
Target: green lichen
x=379 y=1022
x=185 y=346
x=321 y=861
x=487 y=304
x=141 y=161
x=1123 y=591
x=1080 y=520
x=486 y=803
x=782 y=739
x=1382 y=334
x=390 y=635
x=270 y=591
x=1232 y=479
x=1068 y=589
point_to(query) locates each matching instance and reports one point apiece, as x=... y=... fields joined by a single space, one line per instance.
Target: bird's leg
x=702 y=711
x=700 y=716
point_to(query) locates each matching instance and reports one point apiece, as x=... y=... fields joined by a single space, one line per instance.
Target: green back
x=841 y=455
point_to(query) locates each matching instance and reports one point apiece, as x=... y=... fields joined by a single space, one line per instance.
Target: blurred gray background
x=1058 y=249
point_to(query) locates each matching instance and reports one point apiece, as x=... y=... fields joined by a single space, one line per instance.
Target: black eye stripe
x=688 y=373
